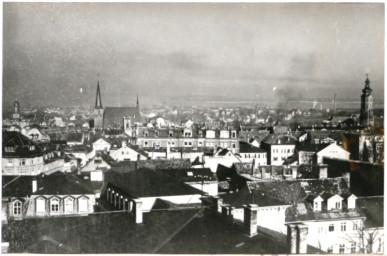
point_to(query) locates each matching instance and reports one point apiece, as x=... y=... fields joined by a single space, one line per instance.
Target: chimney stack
x=137 y=210
x=250 y=224
x=34 y=185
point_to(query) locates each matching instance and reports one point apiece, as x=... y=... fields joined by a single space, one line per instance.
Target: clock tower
x=366 y=109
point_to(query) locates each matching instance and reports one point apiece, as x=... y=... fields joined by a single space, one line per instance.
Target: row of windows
x=342 y=247
x=289 y=150
x=342 y=227
x=190 y=143
x=188 y=134
x=24 y=162
x=54 y=204
x=254 y=155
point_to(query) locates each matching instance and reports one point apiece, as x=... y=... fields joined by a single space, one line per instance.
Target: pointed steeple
x=98 y=101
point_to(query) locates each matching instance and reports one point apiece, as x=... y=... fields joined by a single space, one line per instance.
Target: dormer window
x=170 y=134
x=335 y=203
x=9 y=149
x=317 y=203
x=32 y=147
x=351 y=201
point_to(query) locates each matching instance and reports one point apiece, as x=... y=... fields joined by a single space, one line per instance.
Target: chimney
x=294 y=172
x=347 y=178
x=137 y=210
x=302 y=236
x=263 y=173
x=292 y=238
x=34 y=185
x=250 y=224
x=218 y=202
x=323 y=171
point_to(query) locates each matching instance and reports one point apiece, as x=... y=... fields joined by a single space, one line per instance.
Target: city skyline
x=190 y=52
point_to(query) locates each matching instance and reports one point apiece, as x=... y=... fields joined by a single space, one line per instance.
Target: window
x=343 y=226
x=233 y=145
x=185 y=143
x=23 y=162
x=338 y=205
x=146 y=143
x=234 y=134
x=354 y=226
x=69 y=204
x=275 y=158
x=10 y=161
x=97 y=161
x=32 y=147
x=54 y=205
x=146 y=134
x=82 y=204
x=353 y=247
x=17 y=208
x=342 y=248
x=157 y=134
x=331 y=228
x=330 y=249
x=190 y=143
x=40 y=205
x=321 y=229
x=200 y=143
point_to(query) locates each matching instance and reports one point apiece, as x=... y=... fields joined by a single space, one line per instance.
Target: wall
x=126 y=153
x=209 y=187
x=148 y=202
x=33 y=166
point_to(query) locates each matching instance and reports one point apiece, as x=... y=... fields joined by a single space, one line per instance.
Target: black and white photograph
x=193 y=128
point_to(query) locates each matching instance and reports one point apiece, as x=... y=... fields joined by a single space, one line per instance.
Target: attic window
x=32 y=147
x=9 y=149
x=97 y=161
x=190 y=173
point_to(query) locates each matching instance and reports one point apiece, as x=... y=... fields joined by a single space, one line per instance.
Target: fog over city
x=189 y=53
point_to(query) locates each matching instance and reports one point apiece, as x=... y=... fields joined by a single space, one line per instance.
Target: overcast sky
x=52 y=52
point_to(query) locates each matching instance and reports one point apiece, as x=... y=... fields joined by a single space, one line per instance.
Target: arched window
x=69 y=204
x=17 y=206
x=54 y=205
x=82 y=204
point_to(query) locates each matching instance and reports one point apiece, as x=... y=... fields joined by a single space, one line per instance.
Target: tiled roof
x=313 y=147
x=22 y=146
x=148 y=183
x=279 y=139
x=245 y=147
x=190 y=175
x=113 y=116
x=74 y=137
x=373 y=208
x=55 y=184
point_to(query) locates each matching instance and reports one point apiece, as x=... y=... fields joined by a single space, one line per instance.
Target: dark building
x=113 y=117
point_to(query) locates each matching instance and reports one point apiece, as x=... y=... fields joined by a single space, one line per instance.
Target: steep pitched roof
x=22 y=146
x=55 y=184
x=113 y=116
x=148 y=183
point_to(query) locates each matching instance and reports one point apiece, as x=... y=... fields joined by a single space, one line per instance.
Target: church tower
x=16 y=110
x=366 y=109
x=98 y=109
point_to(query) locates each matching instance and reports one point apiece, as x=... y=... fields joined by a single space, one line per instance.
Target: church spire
x=98 y=101
x=137 y=104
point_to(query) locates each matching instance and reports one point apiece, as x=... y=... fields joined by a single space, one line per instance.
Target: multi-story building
x=192 y=137
x=21 y=156
x=279 y=147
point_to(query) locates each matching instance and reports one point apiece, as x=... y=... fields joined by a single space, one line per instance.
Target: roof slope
x=113 y=116
x=58 y=184
x=21 y=146
x=148 y=183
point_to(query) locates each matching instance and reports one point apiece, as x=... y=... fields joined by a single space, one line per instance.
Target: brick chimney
x=292 y=238
x=302 y=236
x=137 y=210
x=297 y=238
x=250 y=224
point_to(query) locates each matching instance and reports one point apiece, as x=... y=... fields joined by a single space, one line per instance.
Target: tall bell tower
x=98 y=109
x=366 y=108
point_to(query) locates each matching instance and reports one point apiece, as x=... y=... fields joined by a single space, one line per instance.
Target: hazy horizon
x=183 y=52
